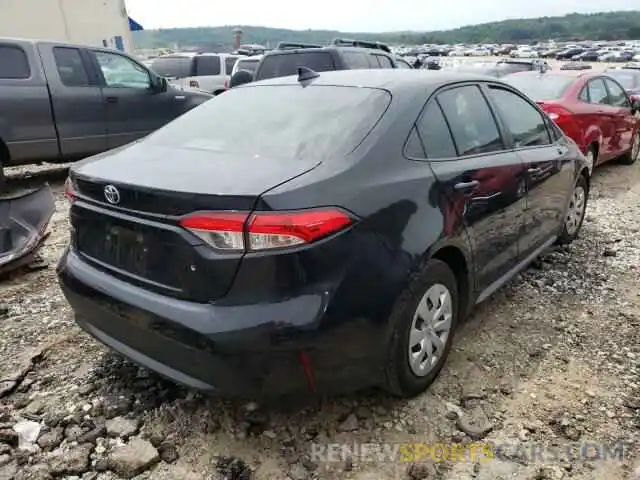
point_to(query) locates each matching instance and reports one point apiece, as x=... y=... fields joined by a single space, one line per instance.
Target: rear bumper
x=264 y=349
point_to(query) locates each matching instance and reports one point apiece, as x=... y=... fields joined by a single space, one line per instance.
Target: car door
x=625 y=121
x=133 y=108
x=482 y=180
x=550 y=169
x=76 y=98
x=603 y=115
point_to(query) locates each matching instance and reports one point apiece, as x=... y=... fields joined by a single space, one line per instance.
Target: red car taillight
x=226 y=84
x=558 y=114
x=239 y=231
x=635 y=98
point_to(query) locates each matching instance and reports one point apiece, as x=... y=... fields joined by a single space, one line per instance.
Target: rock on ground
x=133 y=458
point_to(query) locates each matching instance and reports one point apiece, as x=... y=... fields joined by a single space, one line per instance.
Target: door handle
x=465 y=186
x=111 y=99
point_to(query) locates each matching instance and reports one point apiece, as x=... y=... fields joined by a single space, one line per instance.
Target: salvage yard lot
x=553 y=358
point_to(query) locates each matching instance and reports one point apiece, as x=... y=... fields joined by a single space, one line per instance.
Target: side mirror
x=241 y=77
x=159 y=84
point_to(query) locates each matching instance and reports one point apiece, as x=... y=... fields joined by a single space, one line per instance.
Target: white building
x=90 y=22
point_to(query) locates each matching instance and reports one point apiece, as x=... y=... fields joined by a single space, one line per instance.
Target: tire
x=592 y=155
x=401 y=378
x=575 y=218
x=632 y=155
x=2 y=177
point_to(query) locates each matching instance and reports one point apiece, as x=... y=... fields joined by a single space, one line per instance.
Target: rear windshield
x=540 y=87
x=172 y=67
x=283 y=65
x=248 y=65
x=279 y=122
x=628 y=80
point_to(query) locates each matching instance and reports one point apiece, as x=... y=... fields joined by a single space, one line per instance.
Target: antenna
x=305 y=74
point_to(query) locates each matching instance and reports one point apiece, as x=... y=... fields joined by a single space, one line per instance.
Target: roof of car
x=196 y=54
x=385 y=78
x=561 y=73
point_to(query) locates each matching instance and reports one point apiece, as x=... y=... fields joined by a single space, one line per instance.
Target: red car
x=591 y=108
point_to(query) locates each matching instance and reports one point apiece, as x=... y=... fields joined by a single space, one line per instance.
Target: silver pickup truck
x=62 y=102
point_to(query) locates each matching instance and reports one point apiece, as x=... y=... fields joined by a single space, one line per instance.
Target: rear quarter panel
x=401 y=214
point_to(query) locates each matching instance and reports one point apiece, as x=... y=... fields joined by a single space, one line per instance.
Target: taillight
x=194 y=84
x=239 y=231
x=226 y=84
x=69 y=191
x=634 y=98
x=557 y=113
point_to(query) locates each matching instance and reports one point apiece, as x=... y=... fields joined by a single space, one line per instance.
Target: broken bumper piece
x=24 y=218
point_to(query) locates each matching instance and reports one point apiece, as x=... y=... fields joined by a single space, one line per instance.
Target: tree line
x=609 y=26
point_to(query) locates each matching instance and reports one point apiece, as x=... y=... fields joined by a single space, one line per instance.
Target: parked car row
x=596 y=54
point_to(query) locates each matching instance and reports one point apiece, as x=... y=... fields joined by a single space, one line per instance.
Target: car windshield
x=172 y=67
x=279 y=122
x=628 y=80
x=248 y=65
x=540 y=87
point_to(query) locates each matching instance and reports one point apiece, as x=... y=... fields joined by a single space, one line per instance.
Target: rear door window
x=525 y=123
x=208 y=65
x=356 y=60
x=617 y=94
x=173 y=67
x=13 y=63
x=471 y=122
x=598 y=92
x=434 y=132
x=71 y=67
x=283 y=65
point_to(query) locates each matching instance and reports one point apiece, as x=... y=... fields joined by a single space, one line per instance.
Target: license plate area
x=114 y=245
x=126 y=249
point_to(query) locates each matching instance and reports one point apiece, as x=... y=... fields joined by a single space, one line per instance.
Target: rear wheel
x=424 y=321
x=575 y=213
x=632 y=155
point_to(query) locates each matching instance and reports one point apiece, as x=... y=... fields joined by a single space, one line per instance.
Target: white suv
x=204 y=71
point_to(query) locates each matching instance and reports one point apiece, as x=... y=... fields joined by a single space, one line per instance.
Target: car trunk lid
x=137 y=236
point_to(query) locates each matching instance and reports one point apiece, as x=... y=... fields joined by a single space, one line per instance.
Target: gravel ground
x=552 y=359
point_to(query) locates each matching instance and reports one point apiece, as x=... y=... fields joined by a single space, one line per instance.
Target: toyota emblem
x=112 y=194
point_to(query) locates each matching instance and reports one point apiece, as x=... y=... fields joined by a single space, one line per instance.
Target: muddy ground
x=551 y=360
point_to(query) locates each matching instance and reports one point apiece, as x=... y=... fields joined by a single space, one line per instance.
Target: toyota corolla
x=323 y=232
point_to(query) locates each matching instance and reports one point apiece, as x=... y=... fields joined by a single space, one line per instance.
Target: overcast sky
x=355 y=15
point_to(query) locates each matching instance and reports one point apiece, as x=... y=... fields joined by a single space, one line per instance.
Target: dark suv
x=342 y=54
